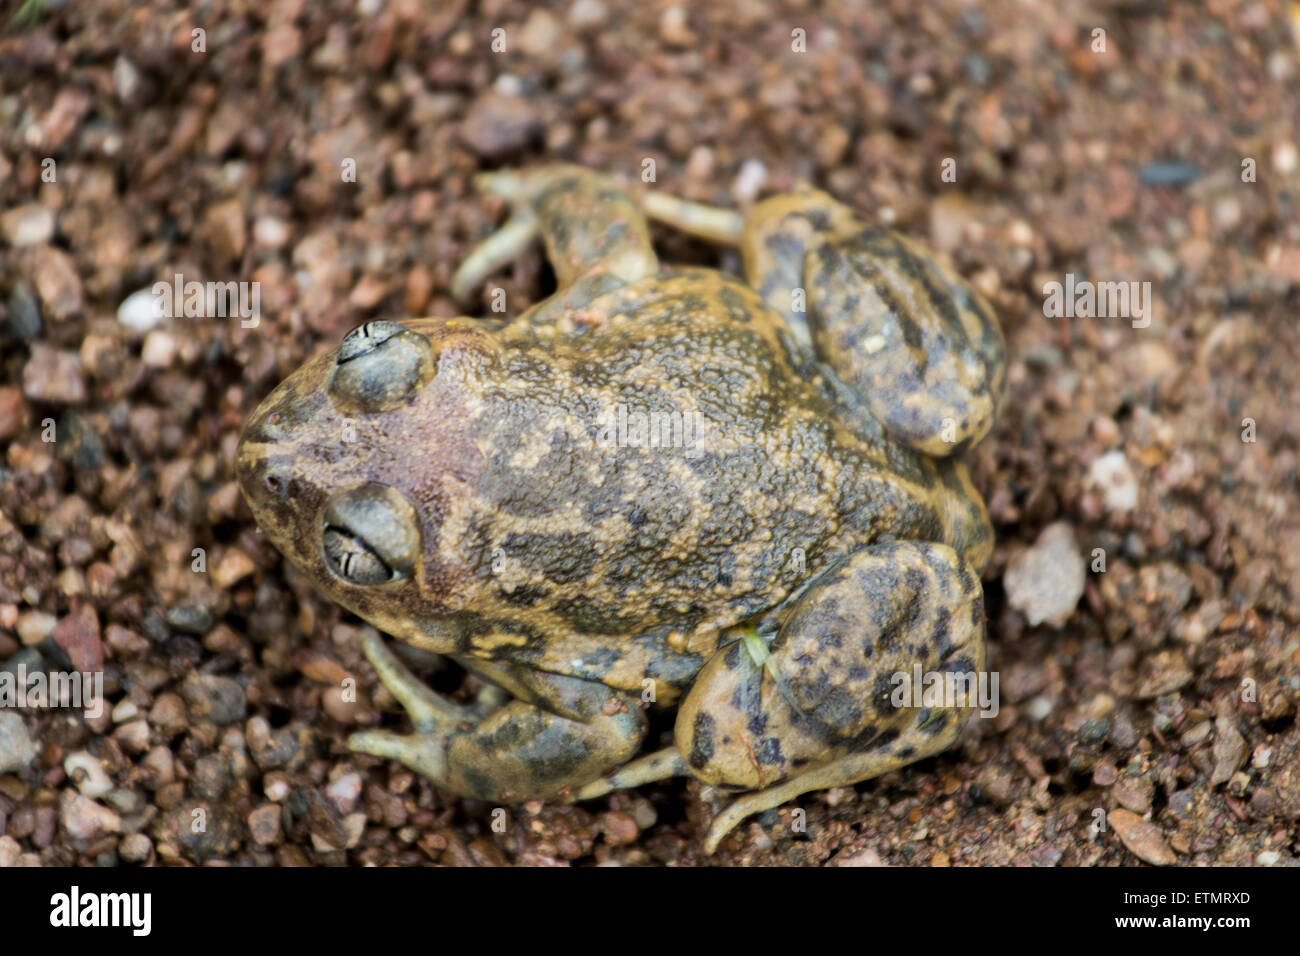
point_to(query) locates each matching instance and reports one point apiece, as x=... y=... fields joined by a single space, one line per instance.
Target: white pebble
x=749 y=181
x=276 y=790
x=1044 y=582
x=159 y=349
x=125 y=711
x=507 y=84
x=29 y=225
x=270 y=232
x=126 y=78
x=345 y=792
x=1285 y=158
x=139 y=311
x=87 y=773
x=1113 y=477
x=1040 y=707
x=587 y=13
x=10 y=851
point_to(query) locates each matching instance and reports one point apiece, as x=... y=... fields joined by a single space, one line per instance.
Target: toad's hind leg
x=521 y=751
x=773 y=237
x=830 y=705
x=596 y=237
x=914 y=339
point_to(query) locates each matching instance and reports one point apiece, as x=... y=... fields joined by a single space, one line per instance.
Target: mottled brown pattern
x=576 y=573
x=912 y=337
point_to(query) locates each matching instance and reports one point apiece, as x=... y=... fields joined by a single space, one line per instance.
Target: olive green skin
x=586 y=578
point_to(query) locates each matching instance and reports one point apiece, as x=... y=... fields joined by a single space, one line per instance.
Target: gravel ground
x=1147 y=703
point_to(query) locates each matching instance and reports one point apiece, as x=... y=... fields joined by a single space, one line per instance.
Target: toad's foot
x=711 y=223
x=519 y=752
x=496 y=251
x=838 y=773
x=659 y=765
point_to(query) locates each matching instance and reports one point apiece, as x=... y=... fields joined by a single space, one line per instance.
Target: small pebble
x=159 y=766
x=159 y=349
x=1113 y=477
x=674 y=29
x=276 y=788
x=78 y=635
x=1168 y=174
x=189 y=618
x=264 y=824
x=24 y=322
x=168 y=713
x=748 y=182
x=126 y=79
x=699 y=164
x=270 y=232
x=1286 y=158
x=55 y=376
x=16 y=748
x=270 y=748
x=139 y=312
x=134 y=736
x=1040 y=708
x=88 y=774
x=1142 y=837
x=57 y=282
x=866 y=856
x=221 y=700
x=84 y=819
x=1045 y=581
x=345 y=792
x=540 y=34
x=211 y=777
x=620 y=828
x=10 y=851
x=499 y=125
x=135 y=848
x=29 y=225
x=587 y=14
x=124 y=710
x=1230 y=751
x=35 y=626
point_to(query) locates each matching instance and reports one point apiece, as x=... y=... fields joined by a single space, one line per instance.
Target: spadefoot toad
x=740 y=500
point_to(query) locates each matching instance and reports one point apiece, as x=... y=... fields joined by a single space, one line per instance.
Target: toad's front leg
x=518 y=752
x=596 y=237
x=830 y=705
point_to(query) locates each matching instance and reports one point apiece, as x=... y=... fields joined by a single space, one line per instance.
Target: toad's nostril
x=276 y=485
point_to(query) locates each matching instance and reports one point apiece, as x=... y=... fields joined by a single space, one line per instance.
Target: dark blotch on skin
x=768 y=752
x=941 y=637
x=701 y=741
x=525 y=596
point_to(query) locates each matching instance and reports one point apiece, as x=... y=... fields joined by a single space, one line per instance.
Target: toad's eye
x=370 y=535
x=350 y=559
x=380 y=365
